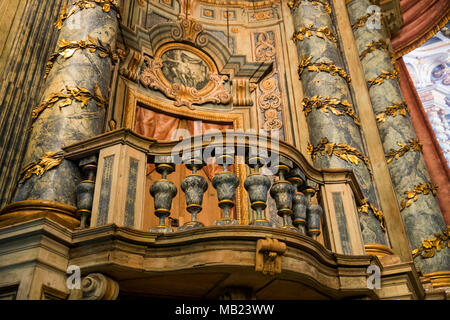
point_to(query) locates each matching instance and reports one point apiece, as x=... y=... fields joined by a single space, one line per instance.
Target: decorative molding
x=268 y=256
x=392 y=110
x=189 y=30
x=329 y=67
x=96 y=286
x=338 y=108
x=414 y=144
x=366 y=206
x=72 y=94
x=431 y=245
x=48 y=161
x=86 y=4
x=293 y=4
x=68 y=48
x=412 y=196
x=309 y=31
x=241 y=92
x=341 y=150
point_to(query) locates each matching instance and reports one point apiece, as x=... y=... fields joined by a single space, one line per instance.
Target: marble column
x=418 y=205
x=327 y=105
x=74 y=100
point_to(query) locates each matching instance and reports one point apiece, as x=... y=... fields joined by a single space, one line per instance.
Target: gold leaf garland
x=86 y=4
x=309 y=31
x=414 y=144
x=329 y=67
x=72 y=94
x=380 y=44
x=412 y=196
x=326 y=104
x=366 y=206
x=383 y=76
x=68 y=48
x=46 y=162
x=341 y=150
x=293 y=4
x=392 y=110
x=431 y=245
x=361 y=21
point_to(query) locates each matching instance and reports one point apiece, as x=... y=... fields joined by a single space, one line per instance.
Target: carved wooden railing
x=307 y=199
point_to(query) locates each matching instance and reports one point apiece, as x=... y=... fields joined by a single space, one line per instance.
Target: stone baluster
x=225 y=183
x=257 y=186
x=300 y=202
x=313 y=213
x=163 y=191
x=194 y=186
x=85 y=190
x=282 y=192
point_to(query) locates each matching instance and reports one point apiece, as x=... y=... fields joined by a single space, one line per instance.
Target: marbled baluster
x=300 y=202
x=257 y=186
x=163 y=191
x=419 y=210
x=194 y=187
x=85 y=190
x=225 y=183
x=282 y=192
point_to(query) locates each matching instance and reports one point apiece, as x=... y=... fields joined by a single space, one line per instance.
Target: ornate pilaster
x=332 y=119
x=414 y=190
x=74 y=100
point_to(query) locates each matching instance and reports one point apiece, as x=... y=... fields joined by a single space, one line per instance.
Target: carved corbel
x=241 y=92
x=96 y=286
x=131 y=67
x=268 y=256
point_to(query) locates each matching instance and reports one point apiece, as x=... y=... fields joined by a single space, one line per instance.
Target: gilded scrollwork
x=191 y=31
x=431 y=245
x=411 y=196
x=340 y=150
x=310 y=30
x=393 y=110
x=368 y=206
x=337 y=107
x=333 y=69
x=68 y=48
x=413 y=144
x=46 y=162
x=293 y=4
x=270 y=100
x=69 y=95
x=86 y=4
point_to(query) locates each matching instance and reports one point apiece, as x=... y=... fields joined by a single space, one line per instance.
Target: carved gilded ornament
x=337 y=107
x=366 y=206
x=86 y=4
x=341 y=150
x=385 y=75
x=399 y=108
x=191 y=31
x=46 y=162
x=68 y=48
x=181 y=88
x=361 y=22
x=414 y=144
x=71 y=94
x=293 y=4
x=333 y=69
x=309 y=31
x=261 y=15
x=431 y=245
x=411 y=196
x=270 y=101
x=268 y=256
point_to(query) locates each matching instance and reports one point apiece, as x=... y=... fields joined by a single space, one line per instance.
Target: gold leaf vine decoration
x=86 y=4
x=70 y=95
x=341 y=150
x=392 y=110
x=414 y=144
x=309 y=31
x=293 y=4
x=338 y=108
x=380 y=44
x=412 y=196
x=431 y=245
x=46 y=162
x=366 y=206
x=68 y=48
x=383 y=76
x=306 y=64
